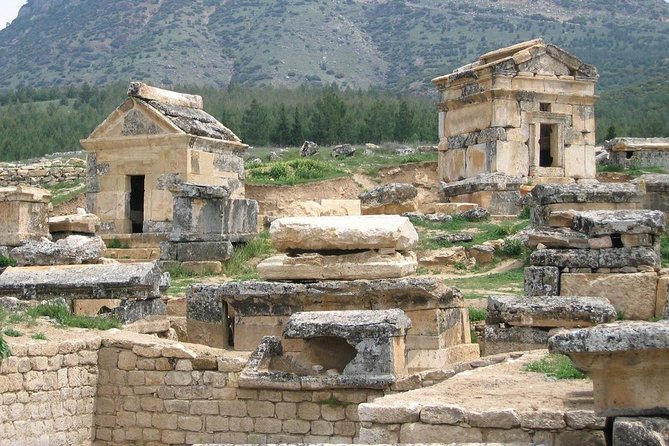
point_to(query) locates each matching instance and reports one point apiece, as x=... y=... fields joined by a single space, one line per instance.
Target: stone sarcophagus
x=24 y=214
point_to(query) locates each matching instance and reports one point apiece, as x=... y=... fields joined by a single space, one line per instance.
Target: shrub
x=7 y=261
x=39 y=336
x=556 y=366
x=12 y=332
x=62 y=315
x=477 y=314
x=5 y=351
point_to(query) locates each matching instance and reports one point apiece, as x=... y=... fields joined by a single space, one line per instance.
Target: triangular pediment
x=134 y=118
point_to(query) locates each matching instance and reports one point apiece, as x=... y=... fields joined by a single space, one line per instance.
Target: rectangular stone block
x=565 y=258
x=634 y=294
x=419 y=360
x=623 y=257
x=513 y=339
x=594 y=223
x=542 y=281
x=340 y=207
x=203 y=251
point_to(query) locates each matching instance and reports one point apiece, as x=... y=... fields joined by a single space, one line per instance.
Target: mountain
x=396 y=44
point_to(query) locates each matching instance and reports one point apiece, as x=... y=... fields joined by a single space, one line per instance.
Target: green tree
x=328 y=119
x=254 y=125
x=611 y=132
x=296 y=130
x=281 y=133
x=404 y=128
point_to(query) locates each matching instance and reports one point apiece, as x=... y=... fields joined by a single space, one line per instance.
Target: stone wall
x=163 y=393
x=43 y=173
x=47 y=392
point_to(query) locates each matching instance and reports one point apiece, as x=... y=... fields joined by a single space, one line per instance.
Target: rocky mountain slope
x=399 y=44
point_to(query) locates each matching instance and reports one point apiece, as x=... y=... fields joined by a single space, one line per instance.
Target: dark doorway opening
x=137 y=203
x=546 y=145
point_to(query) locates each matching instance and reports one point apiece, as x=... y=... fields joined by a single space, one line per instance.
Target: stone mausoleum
x=154 y=141
x=524 y=111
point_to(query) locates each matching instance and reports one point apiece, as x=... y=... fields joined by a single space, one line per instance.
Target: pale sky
x=9 y=9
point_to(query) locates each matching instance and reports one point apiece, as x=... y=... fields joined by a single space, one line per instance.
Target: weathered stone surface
x=565 y=258
x=632 y=294
x=557 y=238
x=81 y=222
x=387 y=194
x=196 y=251
x=113 y=281
x=549 y=311
x=542 y=281
x=458 y=237
x=144 y=91
x=544 y=194
x=23 y=214
x=483 y=254
x=276 y=298
x=434 y=218
x=71 y=250
x=359 y=265
x=594 y=223
x=342 y=150
x=133 y=310
x=343 y=233
x=309 y=148
x=647 y=431
x=513 y=339
x=476 y=214
x=483 y=182
x=628 y=363
x=624 y=257
x=445 y=256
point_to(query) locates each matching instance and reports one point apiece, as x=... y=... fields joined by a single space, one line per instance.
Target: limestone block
x=512 y=339
x=544 y=194
x=628 y=257
x=92 y=307
x=661 y=309
x=202 y=267
x=340 y=207
x=512 y=158
x=453 y=208
x=249 y=331
x=419 y=360
x=632 y=294
x=343 y=233
x=451 y=164
x=360 y=265
x=471 y=117
x=505 y=113
x=627 y=362
x=566 y=258
x=557 y=238
x=23 y=214
x=477 y=160
x=445 y=256
x=387 y=197
x=144 y=91
x=81 y=222
x=595 y=223
x=641 y=431
x=575 y=162
x=549 y=311
x=542 y=281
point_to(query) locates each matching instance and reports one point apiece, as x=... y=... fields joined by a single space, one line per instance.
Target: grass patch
x=333 y=401
x=482 y=231
x=557 y=366
x=293 y=172
x=664 y=250
x=62 y=315
x=65 y=191
x=632 y=171
x=39 y=336
x=12 y=332
x=477 y=314
x=5 y=351
x=7 y=261
x=117 y=244
x=239 y=267
x=484 y=285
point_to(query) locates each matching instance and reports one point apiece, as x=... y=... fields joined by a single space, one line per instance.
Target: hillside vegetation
x=396 y=44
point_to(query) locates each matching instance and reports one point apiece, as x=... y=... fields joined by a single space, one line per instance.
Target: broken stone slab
x=112 y=281
x=343 y=233
x=483 y=254
x=483 y=182
x=388 y=194
x=433 y=218
x=196 y=251
x=458 y=237
x=632 y=294
x=342 y=150
x=640 y=431
x=377 y=336
x=544 y=194
x=549 y=311
x=628 y=363
x=279 y=298
x=81 y=222
x=498 y=339
x=476 y=214
x=565 y=258
x=628 y=257
x=132 y=310
x=594 y=223
x=149 y=93
x=359 y=265
x=445 y=256
x=557 y=238
x=542 y=281
x=71 y=250
x=309 y=148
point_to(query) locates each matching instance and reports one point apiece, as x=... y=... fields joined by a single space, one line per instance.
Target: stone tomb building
x=524 y=111
x=155 y=140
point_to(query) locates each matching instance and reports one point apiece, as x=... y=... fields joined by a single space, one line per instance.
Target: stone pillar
x=24 y=214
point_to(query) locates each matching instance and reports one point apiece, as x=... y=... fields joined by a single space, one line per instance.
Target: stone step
x=133 y=253
x=134 y=240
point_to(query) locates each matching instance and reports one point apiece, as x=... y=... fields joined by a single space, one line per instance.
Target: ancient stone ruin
x=525 y=112
x=152 y=140
x=638 y=152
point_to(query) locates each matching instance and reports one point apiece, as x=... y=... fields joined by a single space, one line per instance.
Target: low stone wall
x=47 y=392
x=163 y=393
x=43 y=173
